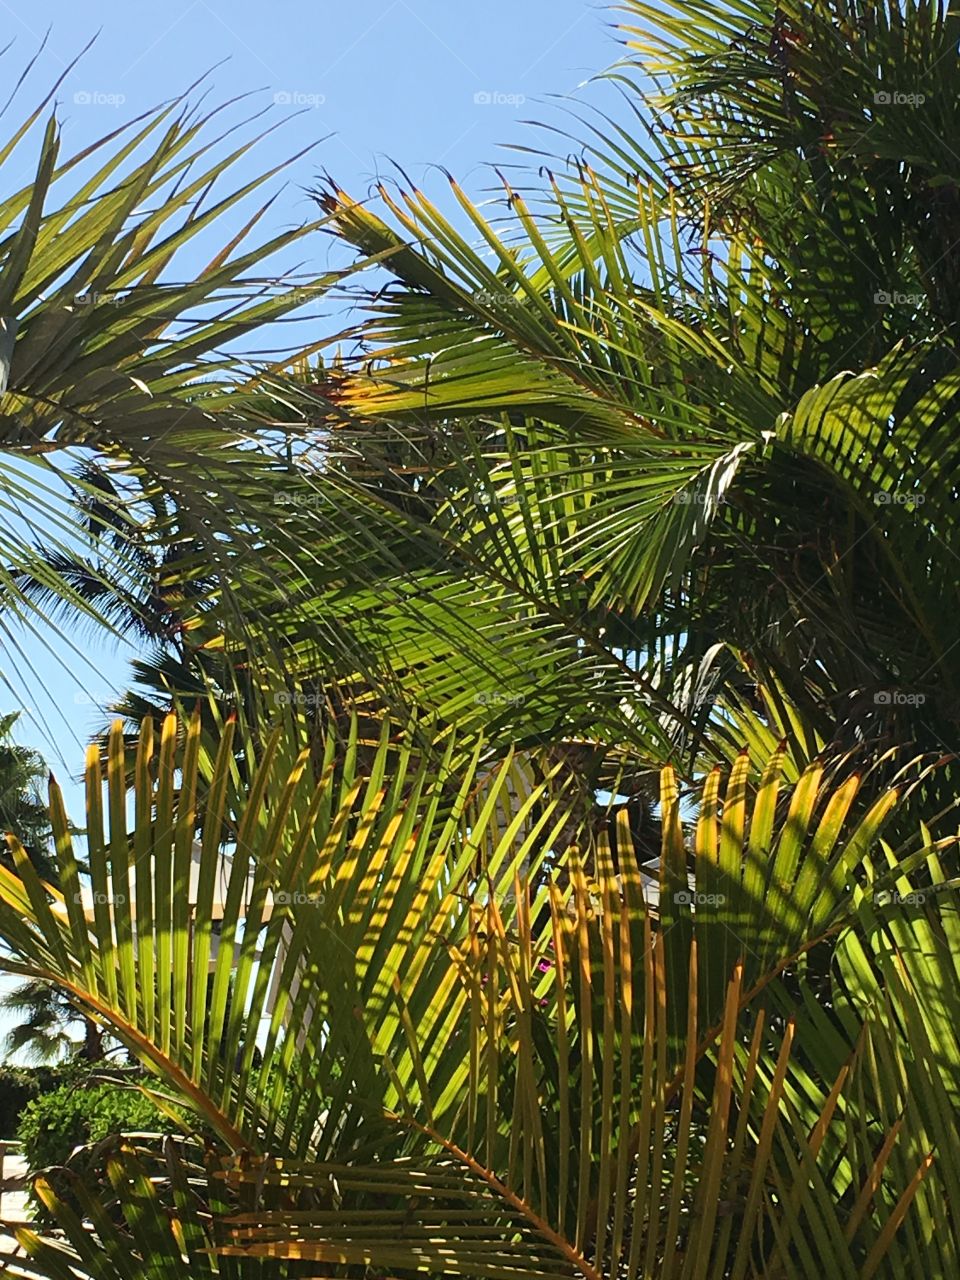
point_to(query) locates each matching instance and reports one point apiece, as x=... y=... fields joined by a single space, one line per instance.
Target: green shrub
x=20 y=1085
x=75 y=1115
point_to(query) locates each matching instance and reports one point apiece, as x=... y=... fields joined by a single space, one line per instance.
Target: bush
x=53 y=1125
x=19 y=1086
x=76 y=1115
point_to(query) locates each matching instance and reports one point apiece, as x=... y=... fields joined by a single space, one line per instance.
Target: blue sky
x=384 y=78
x=425 y=83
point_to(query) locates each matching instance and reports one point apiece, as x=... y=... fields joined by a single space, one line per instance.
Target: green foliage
x=20 y=1085
x=23 y=777
x=44 y=1018
x=670 y=427
x=82 y=1114
x=126 y=380
x=469 y=1053
x=630 y=489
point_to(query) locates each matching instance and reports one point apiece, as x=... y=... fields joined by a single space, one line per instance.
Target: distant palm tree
x=43 y=1034
x=45 y=1015
x=23 y=807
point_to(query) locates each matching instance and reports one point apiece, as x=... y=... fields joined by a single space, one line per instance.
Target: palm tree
x=622 y=507
x=42 y=1034
x=127 y=410
x=45 y=1014
x=447 y=1083
x=23 y=777
x=117 y=398
x=683 y=423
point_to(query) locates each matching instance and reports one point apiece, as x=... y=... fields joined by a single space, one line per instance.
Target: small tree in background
x=44 y=1014
x=23 y=808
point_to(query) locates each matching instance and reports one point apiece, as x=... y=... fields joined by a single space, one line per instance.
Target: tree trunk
x=92 y=1050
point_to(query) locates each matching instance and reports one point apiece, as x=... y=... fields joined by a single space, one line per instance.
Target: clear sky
x=384 y=78
x=424 y=83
